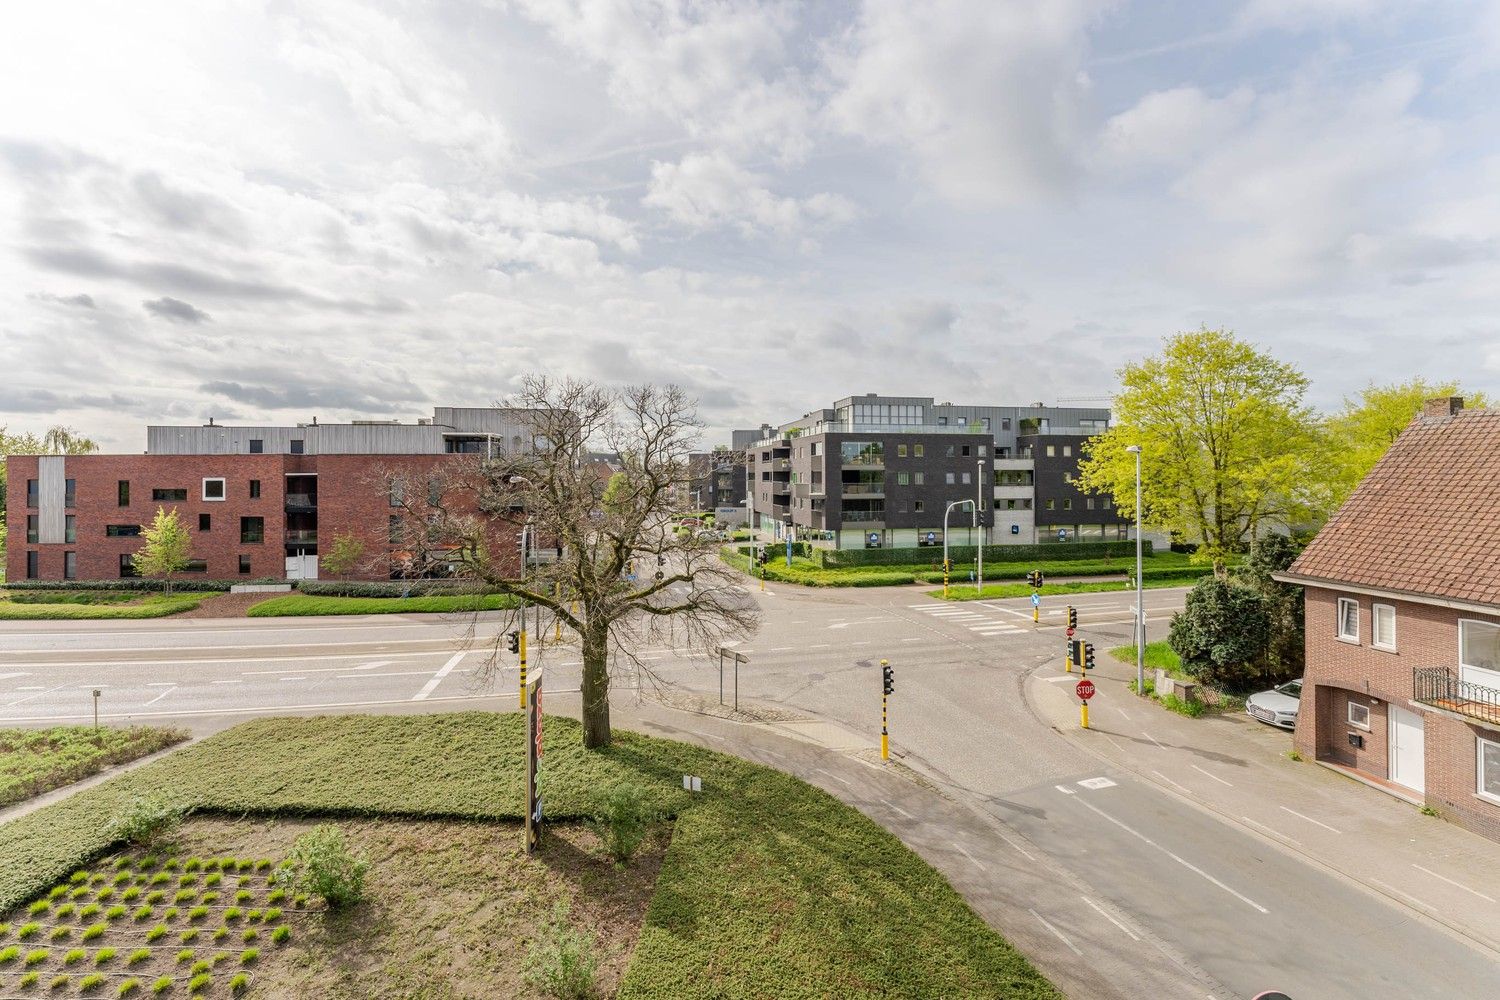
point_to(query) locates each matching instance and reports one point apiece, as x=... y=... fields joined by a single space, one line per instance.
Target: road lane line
x=1310 y=819
x=1117 y=708
x=29 y=697
x=969 y=856
x=159 y=697
x=392 y=673
x=1169 y=781
x=830 y=774
x=915 y=638
x=1450 y=881
x=1055 y=931
x=1153 y=739
x=161 y=684
x=1200 y=770
x=236 y=681
x=1180 y=860
x=1017 y=846
x=19 y=673
x=1066 y=790
x=437 y=678
x=1274 y=833
x=900 y=810
x=1406 y=896
x=292 y=678
x=1106 y=915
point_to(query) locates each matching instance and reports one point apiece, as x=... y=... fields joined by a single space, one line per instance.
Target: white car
x=1278 y=706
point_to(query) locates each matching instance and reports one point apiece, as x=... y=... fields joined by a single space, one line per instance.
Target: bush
x=563 y=960
x=105 y=955
x=385 y=588
x=129 y=986
x=200 y=983
x=162 y=985
x=249 y=955
x=92 y=981
x=281 y=934
x=156 y=933
x=321 y=863
x=146 y=821
x=1221 y=634
x=624 y=821
x=1049 y=552
x=239 y=984
x=94 y=930
x=10 y=954
x=138 y=956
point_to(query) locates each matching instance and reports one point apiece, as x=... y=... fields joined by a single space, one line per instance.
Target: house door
x=302 y=567
x=1407 y=765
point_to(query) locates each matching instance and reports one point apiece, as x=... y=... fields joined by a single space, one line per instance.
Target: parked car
x=1278 y=706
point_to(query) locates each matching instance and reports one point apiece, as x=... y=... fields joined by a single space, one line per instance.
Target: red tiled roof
x=1426 y=520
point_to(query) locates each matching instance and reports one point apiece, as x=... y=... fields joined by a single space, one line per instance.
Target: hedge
x=384 y=588
x=186 y=582
x=1050 y=552
x=331 y=588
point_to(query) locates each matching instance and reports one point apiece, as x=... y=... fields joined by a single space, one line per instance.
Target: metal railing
x=301 y=499
x=1442 y=688
x=864 y=489
x=302 y=534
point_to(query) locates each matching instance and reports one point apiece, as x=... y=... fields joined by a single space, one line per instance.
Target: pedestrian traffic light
x=513 y=639
x=1088 y=656
x=1072 y=617
x=888 y=677
x=1038 y=579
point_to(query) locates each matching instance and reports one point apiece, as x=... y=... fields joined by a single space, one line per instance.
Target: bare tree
x=623 y=572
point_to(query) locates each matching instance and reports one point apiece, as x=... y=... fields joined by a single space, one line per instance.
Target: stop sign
x=1085 y=689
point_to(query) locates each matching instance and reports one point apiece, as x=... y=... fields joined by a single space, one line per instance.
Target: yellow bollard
x=1036 y=615
x=1084 y=710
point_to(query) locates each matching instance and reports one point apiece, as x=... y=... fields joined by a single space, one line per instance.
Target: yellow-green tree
x=1227 y=443
x=1361 y=432
x=166 y=549
x=343 y=555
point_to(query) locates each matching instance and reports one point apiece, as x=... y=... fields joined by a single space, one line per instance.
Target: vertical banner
x=533 y=763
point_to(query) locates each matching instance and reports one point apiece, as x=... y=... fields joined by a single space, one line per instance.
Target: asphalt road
x=1204 y=900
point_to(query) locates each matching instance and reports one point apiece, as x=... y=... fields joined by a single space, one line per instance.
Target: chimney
x=315 y=421
x=1442 y=406
x=210 y=421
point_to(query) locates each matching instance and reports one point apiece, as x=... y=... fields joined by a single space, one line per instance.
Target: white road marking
x=1153 y=739
x=1272 y=832
x=1451 y=882
x=818 y=645
x=780 y=649
x=830 y=774
x=292 y=678
x=969 y=856
x=900 y=810
x=915 y=638
x=236 y=681
x=1180 y=860
x=161 y=684
x=20 y=673
x=1096 y=783
x=32 y=687
x=1121 y=711
x=1309 y=819
x=1406 y=896
x=1065 y=789
x=159 y=697
x=1200 y=770
x=1060 y=678
x=391 y=673
x=1106 y=915
x=1055 y=931
x=1169 y=781
x=437 y=678
x=1017 y=846
x=29 y=697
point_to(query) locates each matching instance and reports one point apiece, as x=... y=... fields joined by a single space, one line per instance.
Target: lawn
x=1159 y=656
x=307 y=604
x=101 y=604
x=33 y=761
x=769 y=887
x=965 y=591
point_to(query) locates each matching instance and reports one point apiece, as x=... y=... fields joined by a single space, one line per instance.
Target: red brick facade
x=1340 y=671
x=350 y=498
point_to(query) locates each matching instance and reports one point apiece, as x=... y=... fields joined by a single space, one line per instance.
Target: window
x=942 y=421
x=918 y=506
x=1108 y=503
x=1348 y=619
x=1010 y=505
x=1051 y=504
x=903 y=479
x=395 y=526
x=900 y=451
x=1479 y=652
x=1051 y=451
x=203 y=522
x=983 y=450
x=31 y=493
x=950 y=451
x=213 y=489
x=1005 y=423
x=920 y=478
x=965 y=451
x=32 y=522
x=122 y=493
x=252 y=529
x=967 y=478
x=296 y=446
x=1359 y=715
x=984 y=422
x=1067 y=451
x=70 y=565
x=70 y=528
x=255 y=489
x=1488 y=766
x=31 y=565
x=1026 y=503
x=949 y=476
x=127 y=566
x=434 y=492
x=245 y=564
x=1088 y=503
x=815 y=449
x=1383 y=627
x=1068 y=504
x=122 y=531
x=70 y=493
x=257 y=446
x=160 y=495
x=862 y=453
x=196 y=566
x=918 y=450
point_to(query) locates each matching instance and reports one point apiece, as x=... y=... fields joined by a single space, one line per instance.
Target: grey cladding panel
x=52 y=475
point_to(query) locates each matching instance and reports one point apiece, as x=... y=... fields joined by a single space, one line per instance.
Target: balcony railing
x=869 y=515
x=301 y=499
x=864 y=489
x=1441 y=688
x=301 y=536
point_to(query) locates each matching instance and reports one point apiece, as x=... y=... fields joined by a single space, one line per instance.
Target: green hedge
x=1049 y=552
x=383 y=588
x=185 y=582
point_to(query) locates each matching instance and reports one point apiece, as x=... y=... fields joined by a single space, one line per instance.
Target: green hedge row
x=184 y=582
x=331 y=588
x=383 y=588
x=1050 y=552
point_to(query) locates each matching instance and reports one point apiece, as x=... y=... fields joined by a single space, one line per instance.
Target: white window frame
x=1487 y=676
x=1338 y=624
x=1375 y=610
x=1479 y=792
x=223 y=490
x=1365 y=725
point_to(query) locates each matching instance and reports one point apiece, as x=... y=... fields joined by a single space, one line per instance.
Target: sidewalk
x=1237 y=768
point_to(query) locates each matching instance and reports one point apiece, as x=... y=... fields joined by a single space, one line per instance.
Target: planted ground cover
x=33 y=761
x=1161 y=656
x=101 y=605
x=966 y=592
x=307 y=604
x=769 y=887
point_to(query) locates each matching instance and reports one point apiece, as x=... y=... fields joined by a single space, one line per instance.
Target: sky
x=274 y=211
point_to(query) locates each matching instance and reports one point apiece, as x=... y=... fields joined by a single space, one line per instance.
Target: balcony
x=1442 y=689
x=866 y=515
x=302 y=536
x=301 y=501
x=864 y=490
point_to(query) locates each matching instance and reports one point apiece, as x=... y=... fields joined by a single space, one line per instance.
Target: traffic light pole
x=522 y=648
x=885 y=691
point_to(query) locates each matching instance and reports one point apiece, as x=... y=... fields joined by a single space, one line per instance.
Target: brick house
x=258 y=501
x=1402 y=687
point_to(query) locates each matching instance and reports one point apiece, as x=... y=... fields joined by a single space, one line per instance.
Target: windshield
x=1292 y=689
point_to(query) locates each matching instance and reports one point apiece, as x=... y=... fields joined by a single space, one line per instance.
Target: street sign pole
x=1085 y=691
x=532 y=694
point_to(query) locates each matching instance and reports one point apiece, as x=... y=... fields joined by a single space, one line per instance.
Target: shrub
x=95 y=930
x=272 y=914
x=185 y=955
x=149 y=861
x=29 y=979
x=74 y=956
x=198 y=913
x=220 y=933
x=239 y=984
x=104 y=955
x=130 y=895
x=155 y=896
x=212 y=879
x=59 y=933
x=105 y=894
x=79 y=892
x=200 y=983
x=91 y=910
x=142 y=913
x=249 y=955
x=92 y=981
x=233 y=913
x=36 y=956
x=322 y=864
x=624 y=821
x=58 y=982
x=114 y=912
x=160 y=878
x=28 y=930
x=250 y=935
x=276 y=896
x=138 y=956
x=210 y=897
x=281 y=934
x=562 y=961
x=78 y=876
x=10 y=954
x=156 y=933
x=147 y=820
x=129 y=986
x=122 y=877
x=162 y=985
x=203 y=965
x=244 y=896
x=39 y=907
x=64 y=911
x=253 y=916
x=191 y=934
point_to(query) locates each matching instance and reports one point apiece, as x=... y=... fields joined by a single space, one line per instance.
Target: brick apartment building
x=1402 y=687
x=258 y=501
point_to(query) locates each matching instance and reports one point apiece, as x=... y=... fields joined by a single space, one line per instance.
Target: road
x=1134 y=874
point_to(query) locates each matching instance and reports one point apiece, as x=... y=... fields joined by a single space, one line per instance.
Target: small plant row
x=133 y=986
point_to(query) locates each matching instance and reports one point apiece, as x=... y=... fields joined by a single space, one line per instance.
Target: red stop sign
x=1085 y=689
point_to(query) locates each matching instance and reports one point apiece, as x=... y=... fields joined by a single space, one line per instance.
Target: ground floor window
x=70 y=565
x=31 y=565
x=244 y=564
x=127 y=566
x=1359 y=715
x=1489 y=769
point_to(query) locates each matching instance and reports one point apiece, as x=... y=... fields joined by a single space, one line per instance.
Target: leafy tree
x=1361 y=432
x=1285 y=654
x=1221 y=634
x=166 y=548
x=1227 y=443
x=343 y=555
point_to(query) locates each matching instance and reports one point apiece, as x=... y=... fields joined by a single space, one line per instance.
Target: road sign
x=1085 y=689
x=1071 y=631
x=931 y=537
x=1062 y=534
x=1036 y=600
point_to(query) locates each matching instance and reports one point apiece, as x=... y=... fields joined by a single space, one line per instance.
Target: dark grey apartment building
x=881 y=471
x=717 y=483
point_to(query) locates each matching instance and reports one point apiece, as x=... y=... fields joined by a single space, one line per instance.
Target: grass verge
x=305 y=604
x=33 y=761
x=770 y=887
x=148 y=606
x=965 y=592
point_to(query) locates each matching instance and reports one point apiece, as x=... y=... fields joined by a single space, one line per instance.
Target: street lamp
x=949 y=510
x=1140 y=601
x=979 y=480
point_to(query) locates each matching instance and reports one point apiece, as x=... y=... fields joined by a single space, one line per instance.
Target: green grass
x=149 y=606
x=33 y=761
x=307 y=604
x=805 y=572
x=770 y=887
x=1159 y=656
x=965 y=592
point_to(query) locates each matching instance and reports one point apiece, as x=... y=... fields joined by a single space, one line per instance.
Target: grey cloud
x=176 y=310
x=187 y=211
x=275 y=390
x=17 y=400
x=81 y=300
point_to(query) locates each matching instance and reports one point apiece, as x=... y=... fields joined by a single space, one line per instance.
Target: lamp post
x=1140 y=609
x=949 y=510
x=979 y=478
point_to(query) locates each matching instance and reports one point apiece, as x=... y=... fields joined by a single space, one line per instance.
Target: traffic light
x=513 y=640
x=888 y=677
x=1038 y=579
x=1072 y=617
x=1075 y=651
x=661 y=560
x=1088 y=656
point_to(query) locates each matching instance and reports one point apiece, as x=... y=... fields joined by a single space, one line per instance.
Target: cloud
x=1173 y=126
x=16 y=399
x=81 y=300
x=1302 y=15
x=275 y=390
x=708 y=190
x=177 y=209
x=176 y=310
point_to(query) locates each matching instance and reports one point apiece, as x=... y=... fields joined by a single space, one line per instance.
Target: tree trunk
x=595 y=687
